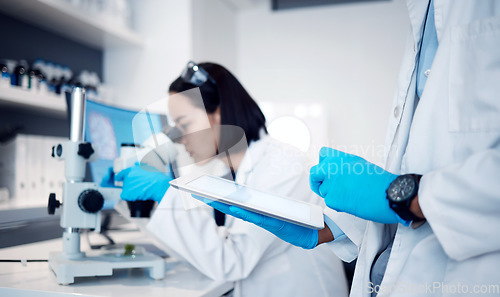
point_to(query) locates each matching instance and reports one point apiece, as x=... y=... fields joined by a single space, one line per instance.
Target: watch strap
x=404 y=212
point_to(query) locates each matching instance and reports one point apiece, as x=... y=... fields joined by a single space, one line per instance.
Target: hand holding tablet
x=267 y=205
x=303 y=237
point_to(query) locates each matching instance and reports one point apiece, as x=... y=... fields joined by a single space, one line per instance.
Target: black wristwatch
x=401 y=193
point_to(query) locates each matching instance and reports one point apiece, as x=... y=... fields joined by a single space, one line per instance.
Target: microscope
x=81 y=205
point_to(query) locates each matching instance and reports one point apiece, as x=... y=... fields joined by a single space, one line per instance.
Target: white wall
x=214 y=33
x=174 y=33
x=142 y=75
x=345 y=56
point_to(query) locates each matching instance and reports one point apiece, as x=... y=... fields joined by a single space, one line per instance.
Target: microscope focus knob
x=85 y=150
x=53 y=204
x=90 y=201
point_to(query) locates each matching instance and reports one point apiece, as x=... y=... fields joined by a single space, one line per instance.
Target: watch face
x=401 y=188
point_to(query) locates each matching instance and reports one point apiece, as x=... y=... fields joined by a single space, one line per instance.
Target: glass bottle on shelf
x=20 y=76
x=41 y=79
x=5 y=75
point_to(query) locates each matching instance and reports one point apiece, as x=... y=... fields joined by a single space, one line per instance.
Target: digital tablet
x=222 y=190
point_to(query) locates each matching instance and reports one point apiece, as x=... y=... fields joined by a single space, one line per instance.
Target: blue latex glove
x=353 y=185
x=143 y=182
x=294 y=234
x=108 y=180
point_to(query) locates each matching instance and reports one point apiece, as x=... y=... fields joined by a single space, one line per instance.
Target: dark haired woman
x=230 y=249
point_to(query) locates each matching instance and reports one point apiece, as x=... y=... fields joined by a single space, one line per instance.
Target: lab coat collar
x=254 y=154
x=417 y=10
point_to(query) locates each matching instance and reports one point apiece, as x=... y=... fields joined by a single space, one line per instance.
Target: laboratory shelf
x=61 y=17
x=53 y=105
x=26 y=99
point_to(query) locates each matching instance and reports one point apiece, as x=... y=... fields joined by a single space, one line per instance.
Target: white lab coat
x=260 y=263
x=452 y=137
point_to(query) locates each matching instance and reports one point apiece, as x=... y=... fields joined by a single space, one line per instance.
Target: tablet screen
x=258 y=199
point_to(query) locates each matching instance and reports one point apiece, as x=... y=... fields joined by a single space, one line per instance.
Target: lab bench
x=36 y=278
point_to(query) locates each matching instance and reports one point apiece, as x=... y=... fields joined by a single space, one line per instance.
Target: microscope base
x=100 y=264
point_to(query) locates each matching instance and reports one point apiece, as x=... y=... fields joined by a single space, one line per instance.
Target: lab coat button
x=427 y=72
x=396 y=111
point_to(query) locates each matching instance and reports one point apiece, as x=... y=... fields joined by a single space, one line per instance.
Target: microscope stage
x=99 y=263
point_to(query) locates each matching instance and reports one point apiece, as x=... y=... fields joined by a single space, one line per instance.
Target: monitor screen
x=107 y=127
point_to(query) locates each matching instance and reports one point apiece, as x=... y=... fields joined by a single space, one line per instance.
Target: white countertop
x=36 y=278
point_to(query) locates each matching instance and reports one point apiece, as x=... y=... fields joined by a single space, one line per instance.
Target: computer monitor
x=107 y=127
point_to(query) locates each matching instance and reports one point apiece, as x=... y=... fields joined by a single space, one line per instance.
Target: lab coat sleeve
x=462 y=205
x=217 y=252
x=346 y=247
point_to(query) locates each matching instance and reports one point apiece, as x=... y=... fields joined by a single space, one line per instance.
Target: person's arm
x=415 y=208
x=219 y=253
x=325 y=235
x=225 y=253
x=461 y=203
x=343 y=234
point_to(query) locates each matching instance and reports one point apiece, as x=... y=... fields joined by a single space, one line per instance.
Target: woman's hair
x=237 y=108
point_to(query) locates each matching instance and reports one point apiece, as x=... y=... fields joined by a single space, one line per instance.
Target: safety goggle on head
x=195 y=74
